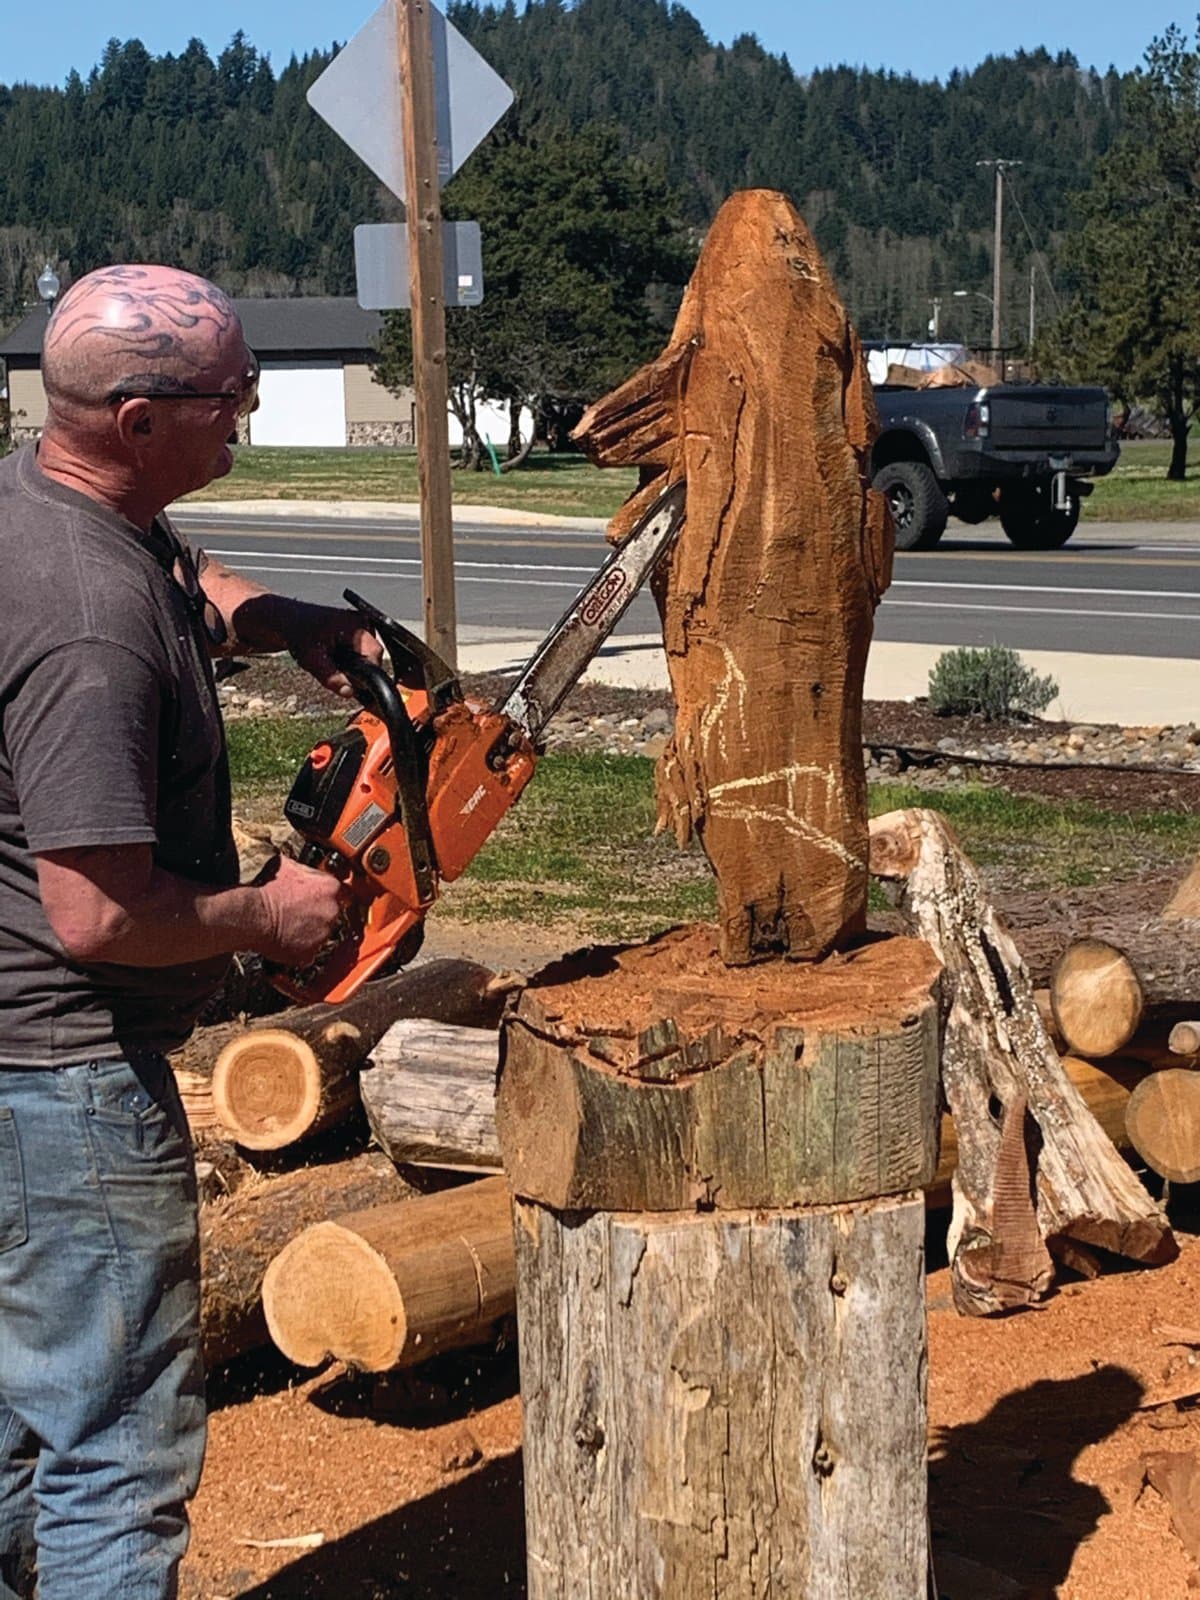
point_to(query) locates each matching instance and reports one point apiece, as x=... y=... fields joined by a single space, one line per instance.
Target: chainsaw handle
x=379 y=694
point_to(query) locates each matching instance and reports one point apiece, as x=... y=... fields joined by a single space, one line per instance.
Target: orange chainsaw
x=404 y=797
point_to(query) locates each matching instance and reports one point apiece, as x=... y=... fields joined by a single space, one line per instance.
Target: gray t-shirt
x=109 y=734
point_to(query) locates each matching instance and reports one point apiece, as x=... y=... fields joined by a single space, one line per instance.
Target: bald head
x=146 y=329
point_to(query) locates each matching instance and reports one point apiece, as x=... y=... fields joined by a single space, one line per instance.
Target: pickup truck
x=1023 y=453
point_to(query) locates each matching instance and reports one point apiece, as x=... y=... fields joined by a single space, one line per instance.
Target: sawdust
x=1038 y=1429
x=624 y=990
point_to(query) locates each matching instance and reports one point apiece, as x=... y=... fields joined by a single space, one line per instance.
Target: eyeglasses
x=186 y=574
x=246 y=394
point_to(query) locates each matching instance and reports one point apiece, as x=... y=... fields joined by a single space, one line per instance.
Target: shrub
x=992 y=683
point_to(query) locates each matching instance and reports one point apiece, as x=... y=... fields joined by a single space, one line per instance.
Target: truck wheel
x=1031 y=521
x=914 y=497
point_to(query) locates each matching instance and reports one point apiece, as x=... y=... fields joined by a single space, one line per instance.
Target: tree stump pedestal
x=719 y=1236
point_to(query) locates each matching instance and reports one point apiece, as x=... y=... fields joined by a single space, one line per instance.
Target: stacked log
x=281 y=1080
x=241 y=1235
x=396 y=1284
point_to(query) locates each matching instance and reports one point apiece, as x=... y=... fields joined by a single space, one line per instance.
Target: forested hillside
x=220 y=165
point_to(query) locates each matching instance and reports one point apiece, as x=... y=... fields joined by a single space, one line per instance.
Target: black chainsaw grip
x=379 y=694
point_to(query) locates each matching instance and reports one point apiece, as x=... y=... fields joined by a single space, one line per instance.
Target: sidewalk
x=1131 y=690
x=1135 y=691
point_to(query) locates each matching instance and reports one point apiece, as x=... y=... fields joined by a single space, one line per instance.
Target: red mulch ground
x=1039 y=1422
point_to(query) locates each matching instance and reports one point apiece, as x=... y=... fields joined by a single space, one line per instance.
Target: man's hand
x=315 y=631
x=302 y=907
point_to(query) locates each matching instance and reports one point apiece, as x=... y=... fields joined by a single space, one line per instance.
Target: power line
x=1038 y=256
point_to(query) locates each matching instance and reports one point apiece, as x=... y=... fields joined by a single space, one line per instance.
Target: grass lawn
x=566 y=485
x=1137 y=490
x=579 y=847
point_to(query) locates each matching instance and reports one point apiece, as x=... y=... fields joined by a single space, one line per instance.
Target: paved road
x=1132 y=590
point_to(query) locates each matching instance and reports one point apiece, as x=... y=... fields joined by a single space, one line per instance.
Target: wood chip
x=1176 y=1476
x=296 y=1541
x=1172 y=1333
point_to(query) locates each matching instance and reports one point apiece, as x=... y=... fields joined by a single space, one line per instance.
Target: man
x=119 y=908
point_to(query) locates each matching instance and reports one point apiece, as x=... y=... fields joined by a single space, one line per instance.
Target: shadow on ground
x=1002 y=1492
x=466 y=1542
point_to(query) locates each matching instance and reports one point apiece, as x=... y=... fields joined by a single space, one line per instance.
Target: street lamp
x=48 y=285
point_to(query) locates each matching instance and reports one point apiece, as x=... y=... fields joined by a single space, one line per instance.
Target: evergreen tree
x=576 y=240
x=1134 y=322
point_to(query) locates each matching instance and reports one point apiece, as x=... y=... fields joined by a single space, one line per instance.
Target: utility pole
x=1001 y=167
x=423 y=206
x=1032 y=270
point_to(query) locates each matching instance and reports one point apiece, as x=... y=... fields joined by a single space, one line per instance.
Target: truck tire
x=914 y=497
x=1029 y=518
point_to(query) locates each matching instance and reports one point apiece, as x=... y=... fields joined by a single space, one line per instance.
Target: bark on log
x=776 y=1085
x=429 y=1092
x=727 y=1404
x=396 y=1284
x=240 y=1235
x=1103 y=986
x=1163 y=1122
x=761 y=401
x=1015 y=1110
x=296 y=1074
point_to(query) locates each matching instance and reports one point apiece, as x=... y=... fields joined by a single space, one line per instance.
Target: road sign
x=359 y=96
x=382 y=271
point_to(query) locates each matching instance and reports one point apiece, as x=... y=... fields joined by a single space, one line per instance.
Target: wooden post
x=423 y=206
x=717 y=1140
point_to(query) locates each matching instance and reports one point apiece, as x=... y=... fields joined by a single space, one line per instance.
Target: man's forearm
x=146 y=917
x=259 y=620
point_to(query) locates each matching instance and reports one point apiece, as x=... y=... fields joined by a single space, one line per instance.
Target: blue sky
x=41 y=43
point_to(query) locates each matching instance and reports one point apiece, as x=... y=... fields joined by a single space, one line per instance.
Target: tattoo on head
x=148 y=329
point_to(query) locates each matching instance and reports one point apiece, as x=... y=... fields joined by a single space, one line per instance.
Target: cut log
x=276 y=1083
x=1185 y=902
x=1042 y=945
x=716 y=1224
x=761 y=400
x=1105 y=984
x=1163 y=1122
x=396 y=1284
x=429 y=1092
x=195 y=1093
x=995 y=1056
x=785 y=1085
x=1096 y=998
x=240 y=1235
x=711 y=1403
x=1184 y=1039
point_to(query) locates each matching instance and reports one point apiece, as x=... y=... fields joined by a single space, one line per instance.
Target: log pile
x=272 y=1085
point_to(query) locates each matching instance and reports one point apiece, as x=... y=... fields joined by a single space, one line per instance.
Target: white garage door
x=300 y=402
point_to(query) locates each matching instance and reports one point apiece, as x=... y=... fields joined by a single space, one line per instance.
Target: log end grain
x=1163 y=1122
x=329 y=1278
x=1096 y=997
x=267 y=1088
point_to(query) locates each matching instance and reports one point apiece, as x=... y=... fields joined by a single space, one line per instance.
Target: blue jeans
x=101 y=1384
